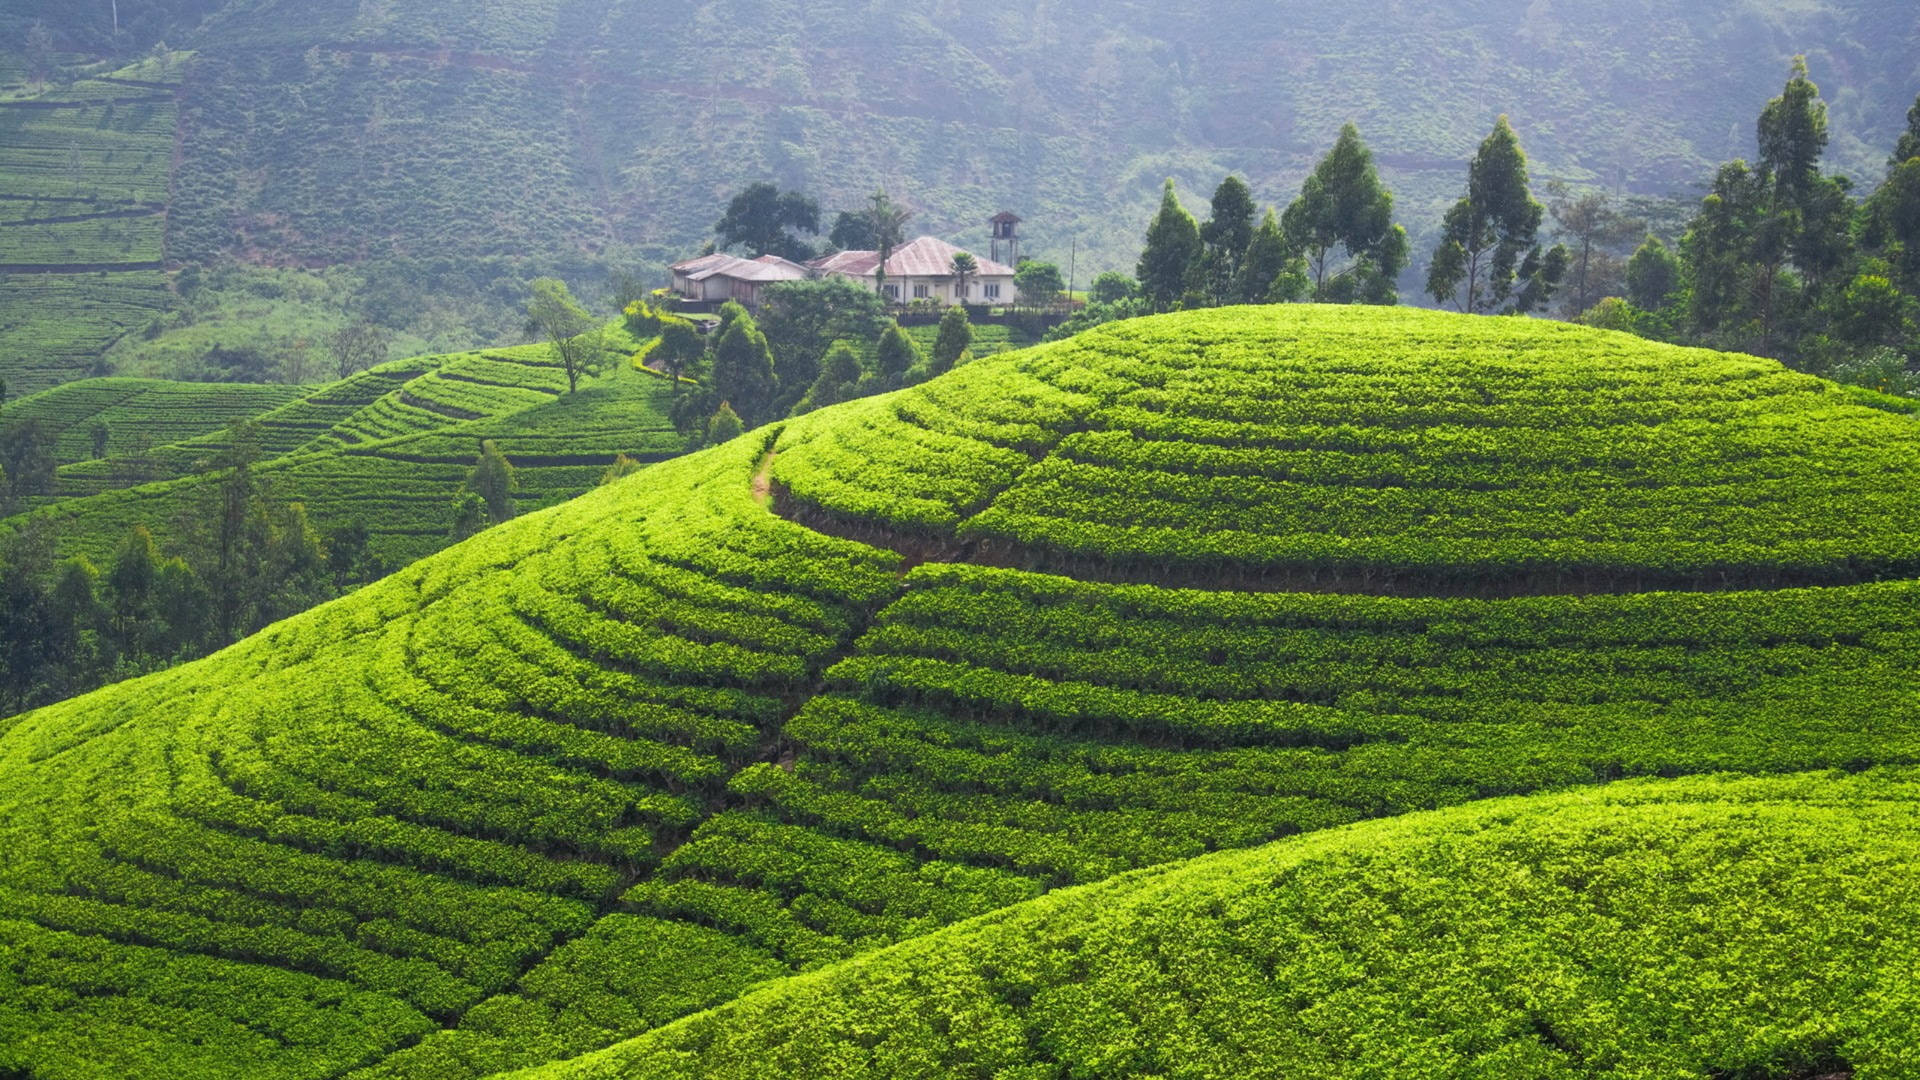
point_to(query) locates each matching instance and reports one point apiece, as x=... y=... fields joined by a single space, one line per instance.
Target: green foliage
x=956 y=337
x=894 y=354
x=1653 y=275
x=621 y=759
x=1112 y=287
x=1039 y=284
x=1172 y=250
x=574 y=335
x=493 y=479
x=1224 y=240
x=840 y=373
x=1488 y=260
x=725 y=425
x=1344 y=207
x=1560 y=937
x=766 y=221
x=743 y=373
x=1908 y=147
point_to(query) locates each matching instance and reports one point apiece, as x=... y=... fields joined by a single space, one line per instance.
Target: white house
x=922 y=270
x=719 y=278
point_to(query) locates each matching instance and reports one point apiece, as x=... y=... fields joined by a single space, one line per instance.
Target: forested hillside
x=451 y=153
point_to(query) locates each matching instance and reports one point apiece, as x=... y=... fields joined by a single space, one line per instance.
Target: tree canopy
x=767 y=221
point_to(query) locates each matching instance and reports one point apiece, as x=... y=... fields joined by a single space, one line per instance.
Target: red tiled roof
x=928 y=256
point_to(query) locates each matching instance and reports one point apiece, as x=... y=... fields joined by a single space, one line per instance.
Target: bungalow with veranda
x=922 y=271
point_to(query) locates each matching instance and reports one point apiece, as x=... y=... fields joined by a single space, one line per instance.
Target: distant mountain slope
x=85 y=172
x=610 y=130
x=613 y=763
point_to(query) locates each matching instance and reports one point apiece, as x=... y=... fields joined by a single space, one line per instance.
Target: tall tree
x=1596 y=228
x=356 y=347
x=1224 y=240
x=1793 y=135
x=27 y=455
x=572 y=333
x=765 y=220
x=1489 y=235
x=1343 y=208
x=1273 y=272
x=1768 y=239
x=1653 y=274
x=1908 y=147
x=130 y=591
x=1173 y=247
x=743 y=372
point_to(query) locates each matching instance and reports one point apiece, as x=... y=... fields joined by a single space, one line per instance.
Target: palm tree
x=964 y=267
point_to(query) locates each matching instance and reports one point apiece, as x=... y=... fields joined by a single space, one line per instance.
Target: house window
x=893 y=292
x=992 y=291
x=919 y=292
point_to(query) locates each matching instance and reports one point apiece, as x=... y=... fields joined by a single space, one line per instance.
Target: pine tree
x=1489 y=236
x=956 y=336
x=1343 y=207
x=743 y=371
x=1173 y=247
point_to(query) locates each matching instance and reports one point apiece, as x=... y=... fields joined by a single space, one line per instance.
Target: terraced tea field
x=388 y=448
x=782 y=713
x=84 y=173
x=141 y=414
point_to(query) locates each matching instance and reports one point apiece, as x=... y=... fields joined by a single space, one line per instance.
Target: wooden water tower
x=1006 y=238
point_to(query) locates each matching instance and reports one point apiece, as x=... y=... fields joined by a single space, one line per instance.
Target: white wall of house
x=906 y=290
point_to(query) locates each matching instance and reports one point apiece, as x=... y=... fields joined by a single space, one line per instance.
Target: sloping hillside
x=138 y=414
x=388 y=449
x=1554 y=937
x=613 y=763
x=85 y=172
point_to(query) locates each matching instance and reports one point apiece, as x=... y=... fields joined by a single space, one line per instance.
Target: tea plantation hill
x=613 y=763
x=389 y=448
x=141 y=414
